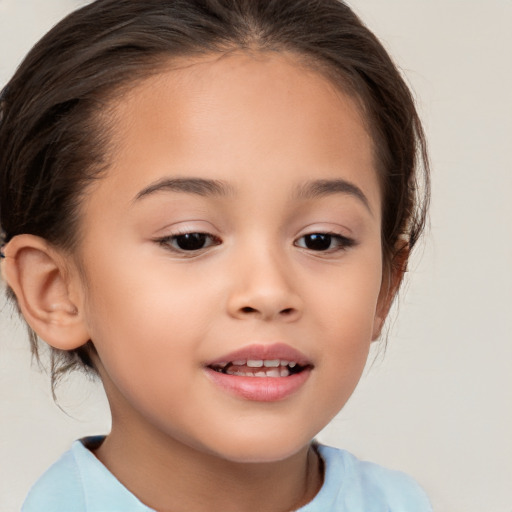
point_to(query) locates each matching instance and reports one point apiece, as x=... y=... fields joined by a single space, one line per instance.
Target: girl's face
x=237 y=226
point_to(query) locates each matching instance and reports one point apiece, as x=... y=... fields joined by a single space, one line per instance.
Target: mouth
x=261 y=373
x=272 y=368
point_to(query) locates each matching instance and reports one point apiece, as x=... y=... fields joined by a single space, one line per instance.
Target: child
x=210 y=204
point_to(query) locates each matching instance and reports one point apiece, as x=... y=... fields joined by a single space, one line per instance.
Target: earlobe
x=388 y=291
x=36 y=273
x=391 y=281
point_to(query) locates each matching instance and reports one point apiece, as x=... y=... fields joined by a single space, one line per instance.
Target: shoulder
x=59 y=488
x=79 y=482
x=354 y=485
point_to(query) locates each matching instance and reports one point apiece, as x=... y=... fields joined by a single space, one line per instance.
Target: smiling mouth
x=259 y=368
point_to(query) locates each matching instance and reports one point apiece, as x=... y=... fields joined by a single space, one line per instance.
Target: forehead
x=239 y=117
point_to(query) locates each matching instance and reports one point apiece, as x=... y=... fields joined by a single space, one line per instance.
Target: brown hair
x=54 y=141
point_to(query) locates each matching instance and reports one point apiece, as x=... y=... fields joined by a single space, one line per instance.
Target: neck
x=170 y=476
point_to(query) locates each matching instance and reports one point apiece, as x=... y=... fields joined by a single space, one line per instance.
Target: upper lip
x=263 y=352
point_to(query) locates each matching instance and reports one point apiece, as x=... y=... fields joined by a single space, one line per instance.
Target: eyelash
x=168 y=241
x=343 y=243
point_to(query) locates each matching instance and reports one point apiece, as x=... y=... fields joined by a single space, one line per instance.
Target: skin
x=264 y=125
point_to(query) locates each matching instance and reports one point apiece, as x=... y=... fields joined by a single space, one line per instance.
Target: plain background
x=438 y=404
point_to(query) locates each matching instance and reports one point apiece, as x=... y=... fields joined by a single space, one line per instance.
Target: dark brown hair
x=54 y=132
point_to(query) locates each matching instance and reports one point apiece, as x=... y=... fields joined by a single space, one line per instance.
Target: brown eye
x=189 y=242
x=322 y=242
x=318 y=241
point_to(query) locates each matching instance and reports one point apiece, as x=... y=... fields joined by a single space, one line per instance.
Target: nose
x=263 y=286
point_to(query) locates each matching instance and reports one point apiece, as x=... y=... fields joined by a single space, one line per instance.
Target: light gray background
x=439 y=404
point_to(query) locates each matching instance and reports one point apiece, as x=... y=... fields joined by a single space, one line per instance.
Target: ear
x=47 y=293
x=391 y=280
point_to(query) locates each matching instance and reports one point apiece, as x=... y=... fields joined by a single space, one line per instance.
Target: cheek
x=142 y=318
x=348 y=299
x=346 y=311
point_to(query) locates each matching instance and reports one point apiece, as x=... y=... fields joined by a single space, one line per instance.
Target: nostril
x=267 y=313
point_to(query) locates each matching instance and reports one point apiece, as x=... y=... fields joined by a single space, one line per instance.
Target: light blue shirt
x=79 y=482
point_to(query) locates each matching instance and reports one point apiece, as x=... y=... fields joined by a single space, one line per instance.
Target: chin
x=257 y=449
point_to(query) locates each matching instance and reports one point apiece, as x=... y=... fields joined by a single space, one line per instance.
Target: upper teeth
x=259 y=363
x=269 y=367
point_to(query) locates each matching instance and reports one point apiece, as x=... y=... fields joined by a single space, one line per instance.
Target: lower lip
x=260 y=389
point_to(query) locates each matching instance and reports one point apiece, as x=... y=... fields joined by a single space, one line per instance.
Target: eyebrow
x=322 y=188
x=208 y=188
x=197 y=186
